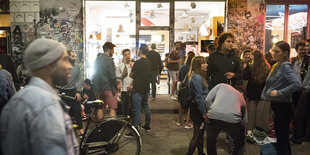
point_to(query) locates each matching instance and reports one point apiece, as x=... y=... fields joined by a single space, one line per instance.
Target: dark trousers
x=75 y=107
x=153 y=81
x=301 y=114
x=295 y=98
x=235 y=130
x=127 y=104
x=197 y=139
x=282 y=116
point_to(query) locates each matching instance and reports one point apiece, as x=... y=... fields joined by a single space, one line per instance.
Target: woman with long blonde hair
x=279 y=86
x=198 y=91
x=256 y=74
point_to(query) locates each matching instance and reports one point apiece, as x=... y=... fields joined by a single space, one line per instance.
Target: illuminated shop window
x=274 y=25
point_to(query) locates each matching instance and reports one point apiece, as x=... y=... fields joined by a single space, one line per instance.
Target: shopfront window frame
x=287 y=3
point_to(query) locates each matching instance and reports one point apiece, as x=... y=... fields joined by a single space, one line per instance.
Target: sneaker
x=188 y=126
x=84 y=117
x=172 y=97
x=177 y=123
x=129 y=135
x=148 y=129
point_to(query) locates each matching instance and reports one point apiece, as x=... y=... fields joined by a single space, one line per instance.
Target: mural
x=246 y=22
x=59 y=20
x=62 y=21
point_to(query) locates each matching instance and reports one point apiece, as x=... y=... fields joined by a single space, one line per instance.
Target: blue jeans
x=139 y=100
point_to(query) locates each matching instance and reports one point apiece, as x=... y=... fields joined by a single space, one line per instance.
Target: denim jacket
x=285 y=81
x=306 y=82
x=36 y=122
x=197 y=93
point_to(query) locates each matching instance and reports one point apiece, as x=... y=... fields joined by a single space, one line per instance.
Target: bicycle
x=108 y=135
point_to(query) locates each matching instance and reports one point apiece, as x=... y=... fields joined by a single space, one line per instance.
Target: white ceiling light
x=185 y=14
x=130 y=14
x=126 y=5
x=186 y=29
x=193 y=20
x=193 y=5
x=159 y=5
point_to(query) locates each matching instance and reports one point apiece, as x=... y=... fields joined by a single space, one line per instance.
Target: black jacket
x=219 y=64
x=8 y=64
x=155 y=61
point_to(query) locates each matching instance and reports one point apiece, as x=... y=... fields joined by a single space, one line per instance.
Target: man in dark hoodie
x=224 y=65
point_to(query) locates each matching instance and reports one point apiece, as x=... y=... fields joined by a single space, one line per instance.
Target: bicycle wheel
x=111 y=137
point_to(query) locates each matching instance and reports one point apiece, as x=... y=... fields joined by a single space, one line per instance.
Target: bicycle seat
x=97 y=104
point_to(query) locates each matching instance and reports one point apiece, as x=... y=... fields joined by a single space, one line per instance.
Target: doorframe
x=169 y=28
x=8 y=41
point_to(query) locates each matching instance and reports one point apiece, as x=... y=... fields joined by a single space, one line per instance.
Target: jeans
x=139 y=100
x=235 y=130
x=282 y=116
x=153 y=83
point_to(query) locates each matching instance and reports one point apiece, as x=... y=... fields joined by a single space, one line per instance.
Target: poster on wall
x=190 y=37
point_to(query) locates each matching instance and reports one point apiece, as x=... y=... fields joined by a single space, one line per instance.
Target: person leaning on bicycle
x=35 y=121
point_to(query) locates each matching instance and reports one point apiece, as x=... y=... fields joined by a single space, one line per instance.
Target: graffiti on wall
x=18 y=44
x=64 y=25
x=246 y=22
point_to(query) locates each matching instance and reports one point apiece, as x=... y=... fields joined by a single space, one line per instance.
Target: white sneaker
x=173 y=97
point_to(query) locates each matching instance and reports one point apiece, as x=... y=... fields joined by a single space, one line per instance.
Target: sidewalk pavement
x=165 y=138
x=163 y=104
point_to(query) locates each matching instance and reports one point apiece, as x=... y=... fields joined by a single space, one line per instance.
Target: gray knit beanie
x=42 y=52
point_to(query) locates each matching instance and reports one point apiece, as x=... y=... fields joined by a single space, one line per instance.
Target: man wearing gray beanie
x=35 y=121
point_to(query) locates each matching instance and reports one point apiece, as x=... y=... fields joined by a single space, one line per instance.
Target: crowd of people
x=246 y=94
x=224 y=92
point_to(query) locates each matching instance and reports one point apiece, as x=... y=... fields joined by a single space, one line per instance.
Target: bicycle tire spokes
x=108 y=137
x=119 y=133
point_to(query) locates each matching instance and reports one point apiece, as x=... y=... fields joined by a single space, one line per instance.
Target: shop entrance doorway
x=5 y=39
x=161 y=39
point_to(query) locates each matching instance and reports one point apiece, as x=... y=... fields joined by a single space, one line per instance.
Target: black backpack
x=183 y=94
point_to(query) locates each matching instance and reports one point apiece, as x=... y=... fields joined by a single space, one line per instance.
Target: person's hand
x=229 y=75
x=85 y=96
x=129 y=88
x=273 y=93
x=206 y=118
x=78 y=97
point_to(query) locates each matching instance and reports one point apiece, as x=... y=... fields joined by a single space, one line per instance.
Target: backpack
x=183 y=94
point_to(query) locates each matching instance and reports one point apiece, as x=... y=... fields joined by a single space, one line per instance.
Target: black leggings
x=282 y=116
x=197 y=139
